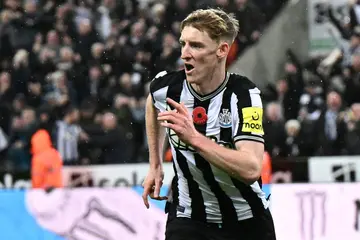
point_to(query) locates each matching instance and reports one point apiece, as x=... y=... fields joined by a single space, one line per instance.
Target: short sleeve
x=158 y=90
x=166 y=85
x=249 y=116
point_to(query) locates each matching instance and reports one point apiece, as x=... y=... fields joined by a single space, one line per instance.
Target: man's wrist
x=197 y=140
x=155 y=164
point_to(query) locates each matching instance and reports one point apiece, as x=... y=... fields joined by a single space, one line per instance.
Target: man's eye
x=196 y=45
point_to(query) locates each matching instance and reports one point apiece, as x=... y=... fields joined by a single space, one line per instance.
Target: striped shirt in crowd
x=67 y=136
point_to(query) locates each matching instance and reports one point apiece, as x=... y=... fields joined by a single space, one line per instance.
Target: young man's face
x=199 y=53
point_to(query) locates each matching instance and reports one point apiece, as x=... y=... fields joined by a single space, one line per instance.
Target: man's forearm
x=165 y=147
x=238 y=164
x=155 y=135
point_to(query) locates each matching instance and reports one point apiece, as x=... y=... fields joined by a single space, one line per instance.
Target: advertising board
x=334 y=169
x=316 y=211
x=126 y=175
x=18 y=180
x=290 y=170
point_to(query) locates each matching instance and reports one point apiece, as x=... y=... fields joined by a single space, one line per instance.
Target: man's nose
x=185 y=53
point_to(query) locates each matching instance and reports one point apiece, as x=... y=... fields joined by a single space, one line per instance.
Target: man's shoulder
x=166 y=79
x=241 y=84
x=247 y=93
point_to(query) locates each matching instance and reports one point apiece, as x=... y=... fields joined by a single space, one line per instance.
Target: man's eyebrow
x=192 y=42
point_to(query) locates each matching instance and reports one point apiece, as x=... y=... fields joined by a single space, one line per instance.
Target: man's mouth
x=188 y=67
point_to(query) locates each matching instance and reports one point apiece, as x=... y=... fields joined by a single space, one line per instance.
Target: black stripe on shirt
x=255 y=203
x=228 y=212
x=172 y=206
x=197 y=201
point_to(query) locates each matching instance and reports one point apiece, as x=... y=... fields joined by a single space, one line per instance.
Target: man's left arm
x=244 y=162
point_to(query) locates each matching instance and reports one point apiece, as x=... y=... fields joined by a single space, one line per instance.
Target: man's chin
x=190 y=78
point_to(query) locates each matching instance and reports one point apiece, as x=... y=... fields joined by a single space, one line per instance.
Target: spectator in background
x=90 y=123
x=21 y=73
x=7 y=93
x=45 y=119
x=352 y=81
x=87 y=116
x=353 y=128
x=67 y=134
x=288 y=89
x=86 y=37
x=115 y=148
x=311 y=101
x=274 y=129
x=169 y=54
x=21 y=131
x=124 y=116
x=295 y=143
x=330 y=127
x=5 y=27
x=247 y=11
x=60 y=90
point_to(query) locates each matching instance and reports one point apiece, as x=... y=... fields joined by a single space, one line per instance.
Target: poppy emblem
x=199 y=116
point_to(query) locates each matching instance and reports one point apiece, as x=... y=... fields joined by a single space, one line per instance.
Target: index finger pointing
x=182 y=105
x=176 y=105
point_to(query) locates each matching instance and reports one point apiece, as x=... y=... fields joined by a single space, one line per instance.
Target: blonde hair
x=217 y=23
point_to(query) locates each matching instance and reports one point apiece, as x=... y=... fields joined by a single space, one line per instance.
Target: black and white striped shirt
x=204 y=192
x=66 y=139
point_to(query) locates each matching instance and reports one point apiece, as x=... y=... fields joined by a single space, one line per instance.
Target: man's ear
x=223 y=50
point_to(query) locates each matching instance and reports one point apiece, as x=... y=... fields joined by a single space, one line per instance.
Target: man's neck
x=211 y=84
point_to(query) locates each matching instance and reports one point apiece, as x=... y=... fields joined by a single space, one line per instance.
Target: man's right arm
x=155 y=134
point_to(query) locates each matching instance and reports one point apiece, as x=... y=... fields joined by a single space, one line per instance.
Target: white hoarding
x=316 y=211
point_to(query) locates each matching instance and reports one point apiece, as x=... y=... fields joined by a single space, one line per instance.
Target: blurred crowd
x=81 y=71
x=314 y=109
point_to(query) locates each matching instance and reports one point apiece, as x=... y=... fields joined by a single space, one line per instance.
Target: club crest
x=225 y=118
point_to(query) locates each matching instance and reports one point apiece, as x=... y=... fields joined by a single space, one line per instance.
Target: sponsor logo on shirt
x=252 y=120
